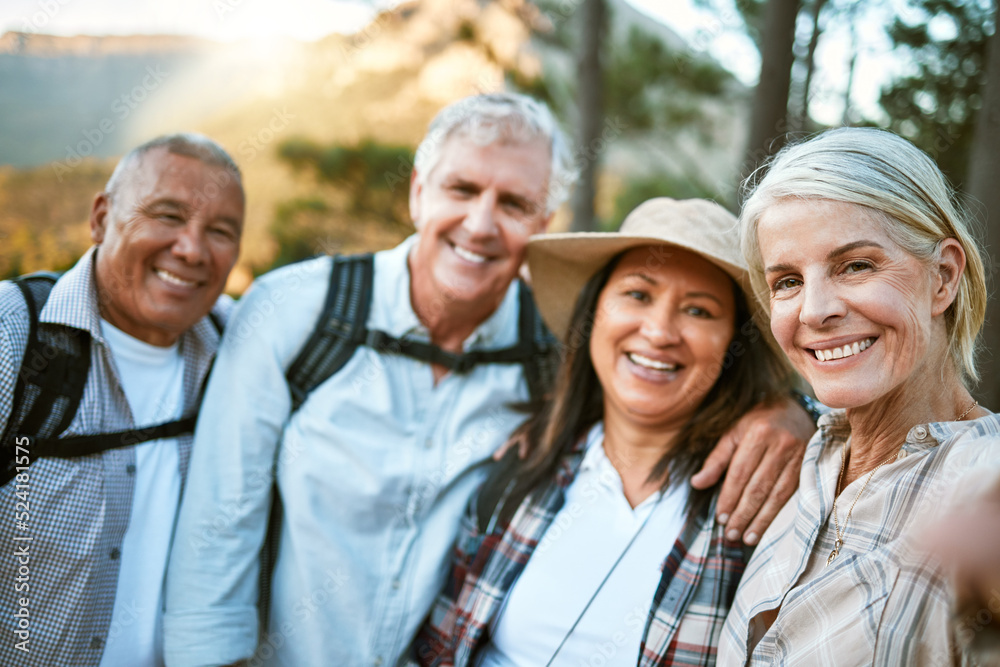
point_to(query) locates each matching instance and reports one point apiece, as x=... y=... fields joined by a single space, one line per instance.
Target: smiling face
x=660 y=335
x=841 y=289
x=167 y=240
x=475 y=211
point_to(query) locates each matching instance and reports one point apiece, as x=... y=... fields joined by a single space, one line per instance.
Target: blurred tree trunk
x=801 y=118
x=769 y=118
x=590 y=101
x=848 y=110
x=984 y=185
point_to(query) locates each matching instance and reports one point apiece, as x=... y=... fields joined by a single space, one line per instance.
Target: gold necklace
x=836 y=524
x=839 y=542
x=971 y=408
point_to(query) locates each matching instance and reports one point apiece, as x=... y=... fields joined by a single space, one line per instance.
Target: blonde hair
x=905 y=192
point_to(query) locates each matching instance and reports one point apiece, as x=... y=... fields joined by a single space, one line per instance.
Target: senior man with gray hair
x=99 y=382
x=371 y=469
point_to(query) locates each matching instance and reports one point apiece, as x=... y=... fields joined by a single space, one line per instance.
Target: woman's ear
x=950 y=265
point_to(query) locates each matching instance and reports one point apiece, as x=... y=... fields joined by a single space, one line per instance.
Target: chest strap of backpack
x=50 y=387
x=342 y=328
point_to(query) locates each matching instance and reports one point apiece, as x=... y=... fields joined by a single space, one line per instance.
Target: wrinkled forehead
x=162 y=173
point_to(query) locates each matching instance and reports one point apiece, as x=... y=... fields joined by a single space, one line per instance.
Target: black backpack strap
x=542 y=360
x=51 y=379
x=340 y=328
x=499 y=484
x=50 y=386
x=84 y=445
x=540 y=367
x=536 y=348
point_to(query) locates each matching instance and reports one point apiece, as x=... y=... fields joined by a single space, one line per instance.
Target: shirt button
x=396 y=584
x=96 y=642
x=114 y=553
x=428 y=443
x=378 y=661
x=130 y=468
x=920 y=432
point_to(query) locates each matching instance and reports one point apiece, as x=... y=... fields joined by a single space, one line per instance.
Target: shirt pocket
x=873 y=579
x=836 y=620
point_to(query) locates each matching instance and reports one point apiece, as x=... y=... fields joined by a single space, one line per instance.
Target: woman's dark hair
x=752 y=373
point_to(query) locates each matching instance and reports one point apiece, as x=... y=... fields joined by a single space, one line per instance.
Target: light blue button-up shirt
x=374 y=470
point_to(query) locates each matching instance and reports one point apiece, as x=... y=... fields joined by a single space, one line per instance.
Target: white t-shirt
x=586 y=537
x=153 y=380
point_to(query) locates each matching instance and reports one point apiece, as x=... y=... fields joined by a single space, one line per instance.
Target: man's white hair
x=502 y=117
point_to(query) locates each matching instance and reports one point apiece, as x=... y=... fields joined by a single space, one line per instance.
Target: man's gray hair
x=189 y=144
x=502 y=117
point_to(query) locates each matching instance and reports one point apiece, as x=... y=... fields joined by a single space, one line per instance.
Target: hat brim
x=561 y=264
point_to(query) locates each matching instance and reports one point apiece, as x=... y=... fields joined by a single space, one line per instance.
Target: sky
x=718 y=33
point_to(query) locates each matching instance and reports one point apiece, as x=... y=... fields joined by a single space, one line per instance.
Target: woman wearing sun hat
x=594 y=550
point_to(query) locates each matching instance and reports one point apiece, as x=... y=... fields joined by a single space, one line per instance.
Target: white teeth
x=646 y=362
x=174 y=280
x=846 y=351
x=469 y=255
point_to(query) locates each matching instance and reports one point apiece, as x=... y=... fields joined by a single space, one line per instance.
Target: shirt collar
x=593 y=448
x=73 y=300
x=920 y=437
x=73 y=303
x=394 y=313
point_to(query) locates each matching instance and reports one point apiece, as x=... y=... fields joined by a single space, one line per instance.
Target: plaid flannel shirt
x=700 y=576
x=79 y=508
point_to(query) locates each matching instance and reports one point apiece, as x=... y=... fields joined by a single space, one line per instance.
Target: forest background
x=324 y=130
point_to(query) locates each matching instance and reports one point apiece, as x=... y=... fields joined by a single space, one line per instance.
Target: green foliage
x=935 y=106
x=43 y=217
x=537 y=86
x=370 y=173
x=559 y=14
x=298 y=228
x=650 y=86
x=751 y=11
x=659 y=184
x=362 y=201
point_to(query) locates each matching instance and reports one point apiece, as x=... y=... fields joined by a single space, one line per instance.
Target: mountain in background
x=71 y=105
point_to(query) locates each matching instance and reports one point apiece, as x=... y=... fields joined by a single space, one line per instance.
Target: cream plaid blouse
x=881 y=601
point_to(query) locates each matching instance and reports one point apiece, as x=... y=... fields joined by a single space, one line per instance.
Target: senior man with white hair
x=100 y=378
x=374 y=466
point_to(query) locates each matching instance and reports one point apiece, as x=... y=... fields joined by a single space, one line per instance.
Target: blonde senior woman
x=876 y=294
x=594 y=550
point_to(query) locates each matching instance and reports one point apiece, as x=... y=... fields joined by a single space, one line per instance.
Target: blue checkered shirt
x=79 y=508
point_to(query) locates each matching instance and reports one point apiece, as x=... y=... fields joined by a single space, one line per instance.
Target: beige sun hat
x=561 y=264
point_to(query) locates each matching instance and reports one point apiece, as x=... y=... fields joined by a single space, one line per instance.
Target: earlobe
x=950 y=267
x=99 y=217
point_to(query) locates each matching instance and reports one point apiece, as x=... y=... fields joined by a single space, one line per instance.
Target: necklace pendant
x=836 y=551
